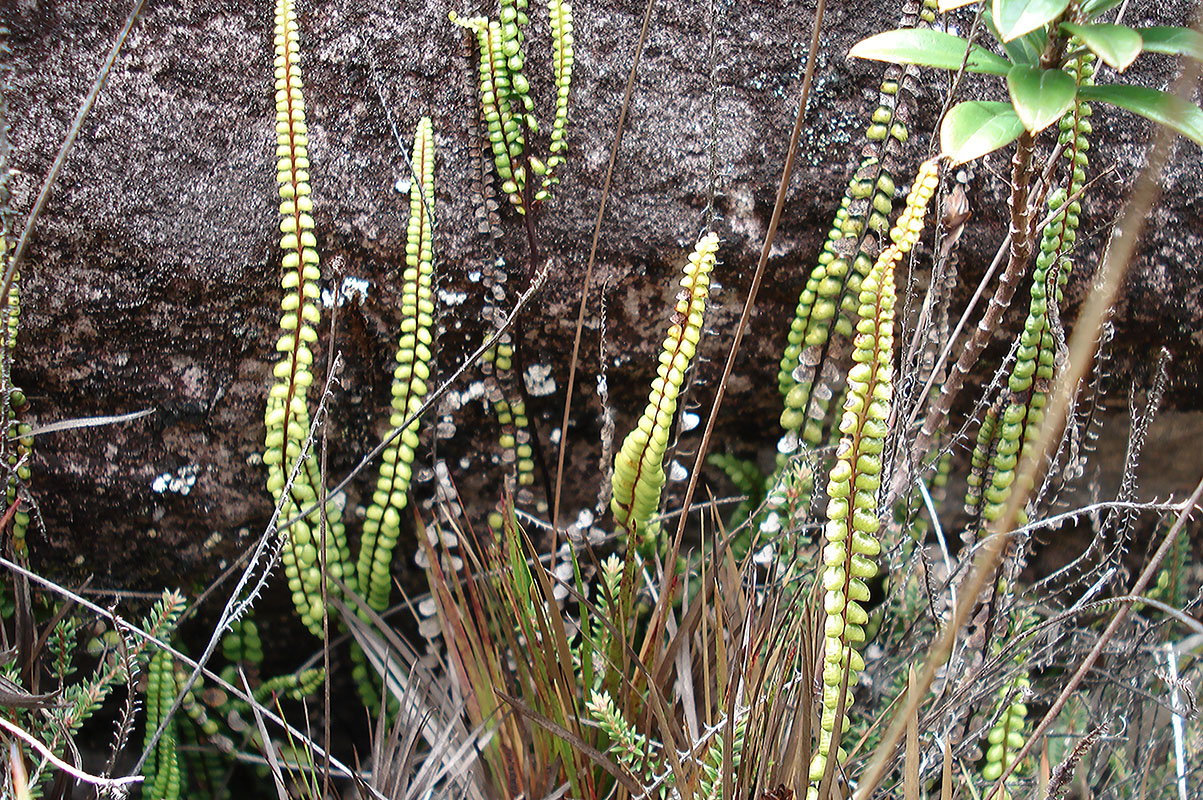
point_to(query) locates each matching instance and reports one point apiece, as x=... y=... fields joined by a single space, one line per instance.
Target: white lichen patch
x=338 y=500
x=539 y=381
x=583 y=530
x=353 y=289
x=179 y=482
x=452 y=298
x=453 y=401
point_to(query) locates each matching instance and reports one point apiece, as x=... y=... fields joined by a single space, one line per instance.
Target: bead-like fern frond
x=853 y=520
x=830 y=298
x=1007 y=735
x=505 y=96
x=14 y=452
x=560 y=12
x=812 y=361
x=287 y=416
x=502 y=128
x=1031 y=377
x=382 y=525
x=162 y=767
x=639 y=466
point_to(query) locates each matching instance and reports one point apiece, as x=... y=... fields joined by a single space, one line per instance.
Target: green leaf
x=1016 y=17
x=1096 y=8
x=1118 y=45
x=1024 y=49
x=1161 y=107
x=978 y=127
x=1173 y=41
x=1040 y=96
x=929 y=49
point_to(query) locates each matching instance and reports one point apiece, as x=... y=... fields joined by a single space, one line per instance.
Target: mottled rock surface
x=152 y=279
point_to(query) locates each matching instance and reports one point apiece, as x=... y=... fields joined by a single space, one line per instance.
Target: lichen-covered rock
x=152 y=279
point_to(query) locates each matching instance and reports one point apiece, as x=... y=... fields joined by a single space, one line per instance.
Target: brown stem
x=1017 y=263
x=1022 y=234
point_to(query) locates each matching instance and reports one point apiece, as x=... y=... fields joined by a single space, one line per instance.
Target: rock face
x=152 y=277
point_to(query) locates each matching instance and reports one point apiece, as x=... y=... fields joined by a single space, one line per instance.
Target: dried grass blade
x=946 y=786
x=269 y=748
x=579 y=744
x=910 y=769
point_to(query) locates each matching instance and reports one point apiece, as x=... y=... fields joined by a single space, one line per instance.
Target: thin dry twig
x=79 y=774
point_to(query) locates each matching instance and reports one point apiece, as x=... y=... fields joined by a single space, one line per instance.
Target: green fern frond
x=241 y=644
x=1031 y=377
x=1008 y=733
x=15 y=454
x=979 y=460
x=1006 y=737
x=829 y=299
x=853 y=520
x=287 y=417
x=819 y=302
x=497 y=364
x=502 y=127
x=505 y=95
x=513 y=20
x=639 y=466
x=194 y=708
x=162 y=767
x=560 y=13
x=383 y=523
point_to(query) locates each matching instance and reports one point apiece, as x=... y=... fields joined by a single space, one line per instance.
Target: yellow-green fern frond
x=383 y=523
x=241 y=645
x=502 y=127
x=639 y=466
x=560 y=12
x=505 y=98
x=503 y=395
x=1006 y=737
x=852 y=515
x=1008 y=733
x=287 y=417
x=14 y=451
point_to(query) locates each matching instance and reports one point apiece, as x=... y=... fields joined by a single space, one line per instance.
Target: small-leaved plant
x=1039 y=39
